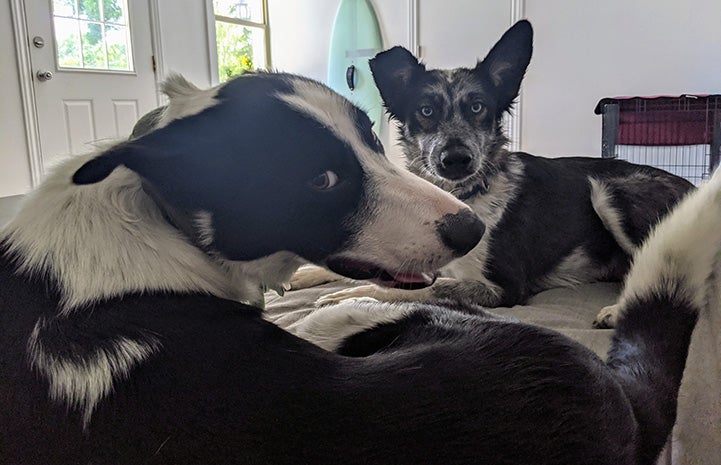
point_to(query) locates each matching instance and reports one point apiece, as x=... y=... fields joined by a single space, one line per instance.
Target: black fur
x=548 y=215
x=229 y=387
x=542 y=391
x=223 y=386
x=168 y=160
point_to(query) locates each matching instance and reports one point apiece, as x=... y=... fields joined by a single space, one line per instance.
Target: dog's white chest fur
x=490 y=207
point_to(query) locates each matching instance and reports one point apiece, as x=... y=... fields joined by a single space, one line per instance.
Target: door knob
x=44 y=76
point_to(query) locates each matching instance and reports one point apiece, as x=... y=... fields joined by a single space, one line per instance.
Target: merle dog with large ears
x=398 y=73
x=451 y=132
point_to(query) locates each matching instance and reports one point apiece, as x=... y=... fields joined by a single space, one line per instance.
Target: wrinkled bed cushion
x=567 y=310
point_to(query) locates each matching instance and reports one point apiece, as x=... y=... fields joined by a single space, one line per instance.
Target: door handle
x=44 y=75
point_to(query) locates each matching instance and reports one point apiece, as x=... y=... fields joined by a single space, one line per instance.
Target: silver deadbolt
x=44 y=76
x=38 y=42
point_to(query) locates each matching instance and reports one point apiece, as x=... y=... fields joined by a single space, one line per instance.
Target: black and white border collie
x=123 y=333
x=124 y=339
x=550 y=222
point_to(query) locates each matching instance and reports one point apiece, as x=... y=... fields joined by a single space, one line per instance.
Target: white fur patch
x=252 y=279
x=490 y=207
x=203 y=223
x=574 y=269
x=83 y=381
x=328 y=327
x=400 y=231
x=682 y=249
x=108 y=239
x=610 y=217
x=328 y=108
x=186 y=99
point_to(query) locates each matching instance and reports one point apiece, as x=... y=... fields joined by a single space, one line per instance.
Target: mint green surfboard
x=356 y=38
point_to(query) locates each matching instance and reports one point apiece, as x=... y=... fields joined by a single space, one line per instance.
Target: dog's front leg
x=444 y=290
x=468 y=292
x=310 y=276
x=607 y=317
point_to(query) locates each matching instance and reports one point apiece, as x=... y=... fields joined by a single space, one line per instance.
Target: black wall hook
x=350 y=77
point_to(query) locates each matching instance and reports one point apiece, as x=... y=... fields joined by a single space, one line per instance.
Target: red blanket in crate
x=664 y=119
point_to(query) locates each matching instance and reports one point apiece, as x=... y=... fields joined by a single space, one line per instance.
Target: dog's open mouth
x=357 y=269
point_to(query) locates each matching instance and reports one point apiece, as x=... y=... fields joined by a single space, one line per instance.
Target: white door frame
x=518 y=12
x=27 y=91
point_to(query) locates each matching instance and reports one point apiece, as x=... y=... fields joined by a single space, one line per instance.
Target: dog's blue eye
x=426 y=111
x=324 y=181
x=476 y=107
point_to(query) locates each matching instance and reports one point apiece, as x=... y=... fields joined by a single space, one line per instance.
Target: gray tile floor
x=8 y=207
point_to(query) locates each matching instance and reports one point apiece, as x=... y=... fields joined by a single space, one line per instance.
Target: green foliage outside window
x=235 y=49
x=92 y=36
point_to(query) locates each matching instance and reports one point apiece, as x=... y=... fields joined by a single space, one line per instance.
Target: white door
x=92 y=71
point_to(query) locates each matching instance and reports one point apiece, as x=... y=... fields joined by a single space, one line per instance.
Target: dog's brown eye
x=476 y=107
x=324 y=181
x=426 y=111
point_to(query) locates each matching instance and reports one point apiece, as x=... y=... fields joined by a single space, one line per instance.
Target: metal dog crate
x=680 y=134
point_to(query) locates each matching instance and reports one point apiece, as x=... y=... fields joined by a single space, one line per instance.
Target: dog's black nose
x=455 y=163
x=461 y=231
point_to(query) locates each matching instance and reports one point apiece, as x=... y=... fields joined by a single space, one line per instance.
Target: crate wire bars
x=679 y=134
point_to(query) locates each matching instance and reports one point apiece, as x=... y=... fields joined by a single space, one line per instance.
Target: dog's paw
x=365 y=291
x=311 y=275
x=607 y=317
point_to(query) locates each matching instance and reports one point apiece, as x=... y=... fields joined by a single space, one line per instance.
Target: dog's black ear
x=392 y=71
x=151 y=155
x=100 y=167
x=507 y=61
x=136 y=155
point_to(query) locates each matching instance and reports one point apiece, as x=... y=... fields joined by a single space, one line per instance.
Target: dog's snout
x=461 y=231
x=455 y=163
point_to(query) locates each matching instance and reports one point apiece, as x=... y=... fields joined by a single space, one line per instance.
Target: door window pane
x=67 y=38
x=116 y=41
x=89 y=9
x=92 y=34
x=114 y=11
x=65 y=8
x=93 y=45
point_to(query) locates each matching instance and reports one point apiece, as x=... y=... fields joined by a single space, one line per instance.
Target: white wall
x=458 y=33
x=14 y=164
x=300 y=34
x=587 y=49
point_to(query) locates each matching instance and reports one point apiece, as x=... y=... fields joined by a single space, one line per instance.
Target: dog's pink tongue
x=412 y=278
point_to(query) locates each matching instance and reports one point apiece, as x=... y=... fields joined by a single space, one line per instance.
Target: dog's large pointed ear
x=507 y=61
x=392 y=71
